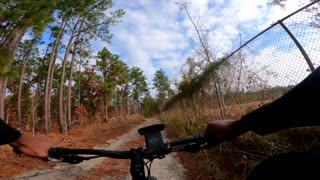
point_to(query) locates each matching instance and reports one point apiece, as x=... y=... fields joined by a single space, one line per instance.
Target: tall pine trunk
x=127 y=99
x=106 y=108
x=47 y=94
x=3 y=84
x=9 y=47
x=138 y=106
x=69 y=93
x=62 y=119
x=24 y=65
x=116 y=104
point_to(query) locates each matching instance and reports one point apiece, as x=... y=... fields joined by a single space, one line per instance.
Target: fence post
x=303 y=52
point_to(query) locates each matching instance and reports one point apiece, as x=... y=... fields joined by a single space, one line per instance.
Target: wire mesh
x=272 y=63
x=266 y=66
x=305 y=25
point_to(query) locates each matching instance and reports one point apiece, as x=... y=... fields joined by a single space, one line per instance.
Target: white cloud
x=149 y=34
x=157 y=34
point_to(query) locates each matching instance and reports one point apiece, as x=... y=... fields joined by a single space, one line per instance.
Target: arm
x=27 y=144
x=294 y=109
x=7 y=133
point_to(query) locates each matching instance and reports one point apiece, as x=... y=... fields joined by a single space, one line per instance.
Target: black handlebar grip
x=52 y=152
x=57 y=152
x=208 y=138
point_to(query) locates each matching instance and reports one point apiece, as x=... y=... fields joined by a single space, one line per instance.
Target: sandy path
x=166 y=169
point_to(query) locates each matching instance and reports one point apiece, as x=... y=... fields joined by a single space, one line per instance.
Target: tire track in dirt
x=167 y=168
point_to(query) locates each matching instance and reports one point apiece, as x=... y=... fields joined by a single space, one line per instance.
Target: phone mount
x=155 y=146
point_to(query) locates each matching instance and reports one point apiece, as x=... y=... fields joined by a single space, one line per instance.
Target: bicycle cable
x=148 y=167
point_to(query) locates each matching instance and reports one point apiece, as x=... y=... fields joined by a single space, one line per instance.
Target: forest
x=53 y=76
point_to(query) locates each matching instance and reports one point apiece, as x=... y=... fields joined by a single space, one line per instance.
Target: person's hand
x=224 y=130
x=33 y=146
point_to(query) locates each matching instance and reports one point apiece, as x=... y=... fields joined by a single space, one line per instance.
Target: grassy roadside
x=237 y=158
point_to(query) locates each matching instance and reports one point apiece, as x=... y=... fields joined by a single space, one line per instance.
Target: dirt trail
x=167 y=168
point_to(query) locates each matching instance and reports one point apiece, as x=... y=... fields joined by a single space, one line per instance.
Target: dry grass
x=235 y=159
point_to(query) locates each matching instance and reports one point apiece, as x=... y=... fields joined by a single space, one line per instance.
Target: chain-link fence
x=262 y=69
x=286 y=52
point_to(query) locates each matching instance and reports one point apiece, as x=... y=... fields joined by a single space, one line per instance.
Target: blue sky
x=157 y=34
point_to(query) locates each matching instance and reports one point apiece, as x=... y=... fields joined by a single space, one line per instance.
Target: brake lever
x=193 y=148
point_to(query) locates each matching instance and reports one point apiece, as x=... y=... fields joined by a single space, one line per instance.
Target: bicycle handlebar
x=155 y=148
x=68 y=155
x=189 y=144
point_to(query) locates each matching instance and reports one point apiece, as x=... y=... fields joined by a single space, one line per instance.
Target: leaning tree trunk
x=62 y=121
x=106 y=108
x=128 y=106
x=24 y=65
x=128 y=103
x=47 y=93
x=3 y=84
x=9 y=47
x=208 y=55
x=69 y=93
x=116 y=104
x=220 y=100
x=137 y=109
x=2 y=94
x=121 y=101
